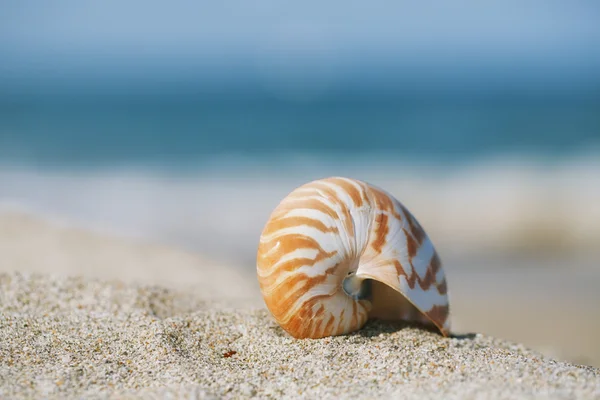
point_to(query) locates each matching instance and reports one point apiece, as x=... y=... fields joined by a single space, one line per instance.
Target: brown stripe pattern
x=329 y=229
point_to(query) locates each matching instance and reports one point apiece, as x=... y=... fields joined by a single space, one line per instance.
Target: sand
x=30 y=243
x=86 y=338
x=86 y=315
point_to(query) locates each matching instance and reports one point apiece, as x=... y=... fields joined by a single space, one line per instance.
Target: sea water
x=483 y=174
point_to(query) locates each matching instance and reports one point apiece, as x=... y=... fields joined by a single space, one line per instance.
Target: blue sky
x=285 y=41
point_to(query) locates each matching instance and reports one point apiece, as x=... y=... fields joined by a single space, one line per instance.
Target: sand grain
x=85 y=338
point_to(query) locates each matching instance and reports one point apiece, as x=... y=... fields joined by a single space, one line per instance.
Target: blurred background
x=185 y=123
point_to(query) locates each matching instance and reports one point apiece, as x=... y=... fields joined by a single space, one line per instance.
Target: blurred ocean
x=175 y=130
x=485 y=173
x=188 y=122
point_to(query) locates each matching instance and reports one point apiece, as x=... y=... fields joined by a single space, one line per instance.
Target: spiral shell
x=338 y=251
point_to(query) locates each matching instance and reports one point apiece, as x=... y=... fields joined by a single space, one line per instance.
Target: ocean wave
x=507 y=205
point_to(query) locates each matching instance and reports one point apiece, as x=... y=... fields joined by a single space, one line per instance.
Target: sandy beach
x=172 y=215
x=85 y=315
x=78 y=338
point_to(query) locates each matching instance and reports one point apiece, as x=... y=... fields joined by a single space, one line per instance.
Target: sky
x=283 y=41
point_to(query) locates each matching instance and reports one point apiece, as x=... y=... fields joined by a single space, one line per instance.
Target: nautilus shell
x=337 y=251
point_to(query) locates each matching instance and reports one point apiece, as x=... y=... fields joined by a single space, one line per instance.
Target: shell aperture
x=338 y=251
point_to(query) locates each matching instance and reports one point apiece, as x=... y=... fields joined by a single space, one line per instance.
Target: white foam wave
x=508 y=205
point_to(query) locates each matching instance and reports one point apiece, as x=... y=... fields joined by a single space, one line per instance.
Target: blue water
x=72 y=156
x=193 y=129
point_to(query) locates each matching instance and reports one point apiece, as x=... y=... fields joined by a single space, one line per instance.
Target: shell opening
x=357 y=288
x=390 y=305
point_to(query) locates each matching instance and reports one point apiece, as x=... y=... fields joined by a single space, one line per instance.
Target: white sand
x=76 y=338
x=89 y=316
x=31 y=244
